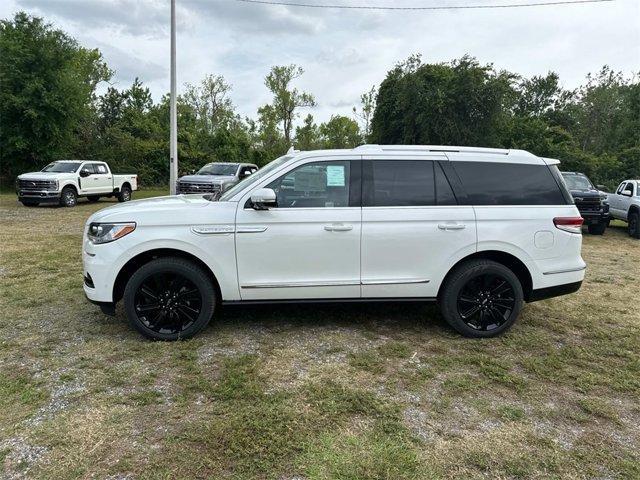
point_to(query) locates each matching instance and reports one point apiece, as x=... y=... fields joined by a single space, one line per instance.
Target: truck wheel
x=93 y=198
x=68 y=198
x=29 y=203
x=125 y=194
x=169 y=299
x=481 y=298
x=598 y=228
x=633 y=224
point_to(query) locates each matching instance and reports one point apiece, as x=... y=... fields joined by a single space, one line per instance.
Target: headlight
x=108 y=232
x=604 y=197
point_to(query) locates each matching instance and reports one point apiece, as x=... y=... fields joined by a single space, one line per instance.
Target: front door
x=413 y=230
x=309 y=245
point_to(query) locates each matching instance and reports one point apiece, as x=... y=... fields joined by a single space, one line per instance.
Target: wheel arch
x=509 y=260
x=145 y=257
x=126 y=184
x=633 y=209
x=69 y=185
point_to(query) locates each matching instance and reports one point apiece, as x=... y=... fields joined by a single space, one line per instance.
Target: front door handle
x=452 y=226
x=338 y=227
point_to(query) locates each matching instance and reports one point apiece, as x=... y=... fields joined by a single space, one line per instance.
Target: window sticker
x=335 y=176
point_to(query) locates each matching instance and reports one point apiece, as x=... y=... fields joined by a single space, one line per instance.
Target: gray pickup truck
x=215 y=178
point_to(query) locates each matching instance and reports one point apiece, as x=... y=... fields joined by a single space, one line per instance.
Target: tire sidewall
x=459 y=278
x=182 y=267
x=122 y=197
x=67 y=195
x=634 y=226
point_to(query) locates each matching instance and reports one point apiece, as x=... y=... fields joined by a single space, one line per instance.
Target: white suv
x=478 y=230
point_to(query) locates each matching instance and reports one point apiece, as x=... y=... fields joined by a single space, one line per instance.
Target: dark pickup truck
x=591 y=202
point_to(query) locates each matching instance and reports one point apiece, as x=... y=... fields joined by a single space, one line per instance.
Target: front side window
x=399 y=183
x=90 y=168
x=493 y=183
x=62 y=167
x=314 y=185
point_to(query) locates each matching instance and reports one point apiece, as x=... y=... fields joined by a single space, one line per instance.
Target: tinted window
x=489 y=183
x=392 y=183
x=444 y=192
x=629 y=188
x=314 y=185
x=89 y=167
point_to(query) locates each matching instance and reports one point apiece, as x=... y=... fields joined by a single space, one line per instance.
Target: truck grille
x=588 y=204
x=37 y=185
x=194 y=187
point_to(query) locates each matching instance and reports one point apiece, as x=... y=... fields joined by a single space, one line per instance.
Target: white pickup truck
x=64 y=181
x=624 y=205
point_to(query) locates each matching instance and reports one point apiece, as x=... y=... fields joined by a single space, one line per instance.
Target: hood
x=585 y=193
x=43 y=175
x=206 y=178
x=170 y=210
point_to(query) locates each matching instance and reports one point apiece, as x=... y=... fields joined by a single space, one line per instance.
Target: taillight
x=569 y=224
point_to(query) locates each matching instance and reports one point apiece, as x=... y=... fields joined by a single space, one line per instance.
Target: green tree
x=365 y=113
x=47 y=86
x=287 y=99
x=340 y=132
x=308 y=135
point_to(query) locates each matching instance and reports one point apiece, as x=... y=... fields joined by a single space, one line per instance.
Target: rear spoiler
x=551 y=161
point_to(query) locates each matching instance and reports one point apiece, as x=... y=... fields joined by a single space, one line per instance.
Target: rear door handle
x=338 y=227
x=452 y=226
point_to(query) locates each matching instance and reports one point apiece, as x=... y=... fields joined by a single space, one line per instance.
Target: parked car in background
x=479 y=231
x=592 y=203
x=215 y=178
x=64 y=181
x=625 y=205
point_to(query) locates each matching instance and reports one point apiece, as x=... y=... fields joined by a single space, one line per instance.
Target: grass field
x=348 y=392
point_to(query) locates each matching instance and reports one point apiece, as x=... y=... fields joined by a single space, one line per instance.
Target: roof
x=445 y=151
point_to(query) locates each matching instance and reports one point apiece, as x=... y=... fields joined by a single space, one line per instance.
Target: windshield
x=250 y=180
x=578 y=182
x=226 y=169
x=62 y=167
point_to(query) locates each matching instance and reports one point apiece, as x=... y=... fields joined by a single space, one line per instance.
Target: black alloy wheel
x=169 y=299
x=486 y=302
x=481 y=298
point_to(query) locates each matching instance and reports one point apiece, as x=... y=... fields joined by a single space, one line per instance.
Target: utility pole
x=173 y=140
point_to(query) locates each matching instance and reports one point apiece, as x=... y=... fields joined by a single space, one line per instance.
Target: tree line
x=50 y=109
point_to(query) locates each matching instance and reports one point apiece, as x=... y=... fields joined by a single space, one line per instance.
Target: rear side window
x=489 y=183
x=100 y=168
x=398 y=183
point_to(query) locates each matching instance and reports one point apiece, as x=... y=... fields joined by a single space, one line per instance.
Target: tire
x=633 y=224
x=93 y=198
x=169 y=299
x=597 y=229
x=124 y=195
x=468 y=308
x=68 y=197
x=29 y=203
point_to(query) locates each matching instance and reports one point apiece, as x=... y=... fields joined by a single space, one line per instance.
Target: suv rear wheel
x=481 y=298
x=169 y=299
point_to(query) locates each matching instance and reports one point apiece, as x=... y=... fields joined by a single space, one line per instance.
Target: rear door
x=102 y=179
x=413 y=229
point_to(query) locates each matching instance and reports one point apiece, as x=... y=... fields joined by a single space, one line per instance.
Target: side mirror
x=263 y=198
x=84 y=173
x=602 y=187
x=626 y=193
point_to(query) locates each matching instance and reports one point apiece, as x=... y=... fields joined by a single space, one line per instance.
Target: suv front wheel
x=481 y=298
x=169 y=299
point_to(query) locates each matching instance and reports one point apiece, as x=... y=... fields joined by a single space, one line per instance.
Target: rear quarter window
x=492 y=183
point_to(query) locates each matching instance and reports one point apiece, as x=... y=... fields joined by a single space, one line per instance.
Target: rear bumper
x=555 y=291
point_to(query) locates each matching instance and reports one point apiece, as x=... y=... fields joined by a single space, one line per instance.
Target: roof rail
x=442 y=149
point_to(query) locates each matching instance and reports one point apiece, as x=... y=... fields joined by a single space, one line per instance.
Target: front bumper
x=40 y=196
x=594 y=217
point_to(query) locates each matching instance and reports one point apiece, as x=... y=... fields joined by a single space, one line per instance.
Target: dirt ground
x=298 y=392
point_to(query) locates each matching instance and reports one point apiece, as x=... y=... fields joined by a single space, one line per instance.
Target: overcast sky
x=343 y=52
